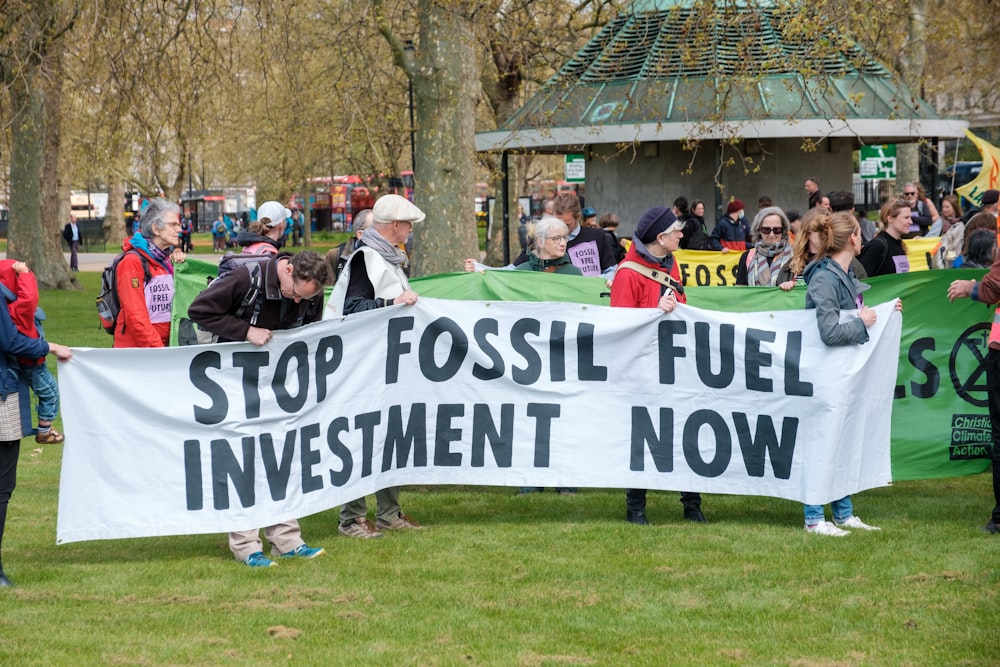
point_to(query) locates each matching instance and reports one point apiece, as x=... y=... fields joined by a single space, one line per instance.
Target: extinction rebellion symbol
x=970 y=433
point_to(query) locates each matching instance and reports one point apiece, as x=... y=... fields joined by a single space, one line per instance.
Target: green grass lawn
x=497 y=579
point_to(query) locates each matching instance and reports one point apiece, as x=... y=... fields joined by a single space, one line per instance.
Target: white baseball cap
x=274 y=212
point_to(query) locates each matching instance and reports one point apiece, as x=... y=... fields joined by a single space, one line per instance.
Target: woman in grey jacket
x=833 y=288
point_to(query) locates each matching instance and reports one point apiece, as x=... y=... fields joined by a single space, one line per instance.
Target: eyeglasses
x=558 y=239
x=772 y=230
x=908 y=193
x=173 y=225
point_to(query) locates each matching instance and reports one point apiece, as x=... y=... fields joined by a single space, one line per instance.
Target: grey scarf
x=389 y=252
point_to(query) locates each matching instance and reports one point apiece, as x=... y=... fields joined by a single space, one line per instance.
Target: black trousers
x=993 y=398
x=9 y=453
x=635 y=500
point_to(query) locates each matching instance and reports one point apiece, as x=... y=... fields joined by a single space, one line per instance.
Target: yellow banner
x=718 y=269
x=989 y=176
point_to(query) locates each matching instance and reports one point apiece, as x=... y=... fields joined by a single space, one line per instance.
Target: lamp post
x=413 y=146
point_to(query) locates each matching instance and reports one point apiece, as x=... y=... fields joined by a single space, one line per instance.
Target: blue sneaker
x=258 y=559
x=304 y=551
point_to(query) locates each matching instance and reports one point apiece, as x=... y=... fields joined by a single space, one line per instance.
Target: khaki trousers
x=283 y=537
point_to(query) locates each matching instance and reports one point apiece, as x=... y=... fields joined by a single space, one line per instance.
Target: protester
x=589 y=218
x=374 y=278
x=337 y=257
x=27 y=317
x=812 y=190
x=548 y=251
x=71 y=232
x=794 y=222
x=144 y=320
x=989 y=202
x=649 y=278
x=219 y=233
x=609 y=223
x=298 y=226
x=768 y=263
x=806 y=247
x=290 y=296
x=988 y=291
x=15 y=406
x=832 y=288
x=548 y=255
x=951 y=214
x=589 y=249
x=185 y=235
x=978 y=222
x=923 y=213
x=843 y=200
x=264 y=236
x=695 y=232
x=982 y=249
x=731 y=230
x=886 y=253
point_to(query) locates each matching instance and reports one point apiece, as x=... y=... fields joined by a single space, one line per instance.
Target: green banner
x=940 y=422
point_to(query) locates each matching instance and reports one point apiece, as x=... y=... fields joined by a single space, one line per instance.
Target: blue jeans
x=46 y=391
x=843 y=509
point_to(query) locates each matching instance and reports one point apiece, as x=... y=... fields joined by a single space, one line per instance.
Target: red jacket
x=634 y=290
x=22 y=311
x=144 y=320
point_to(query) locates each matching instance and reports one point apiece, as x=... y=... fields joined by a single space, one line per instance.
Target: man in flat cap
x=374 y=278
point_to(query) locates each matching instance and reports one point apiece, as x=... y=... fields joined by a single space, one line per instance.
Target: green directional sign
x=878 y=161
x=575 y=168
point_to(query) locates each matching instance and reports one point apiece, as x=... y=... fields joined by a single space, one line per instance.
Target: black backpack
x=190 y=333
x=108 y=305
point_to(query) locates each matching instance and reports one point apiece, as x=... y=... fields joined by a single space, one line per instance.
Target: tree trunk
x=444 y=87
x=30 y=239
x=114 y=216
x=913 y=62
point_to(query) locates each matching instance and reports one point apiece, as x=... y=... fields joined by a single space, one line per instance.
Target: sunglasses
x=772 y=230
x=909 y=193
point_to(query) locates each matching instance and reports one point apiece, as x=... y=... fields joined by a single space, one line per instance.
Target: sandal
x=53 y=437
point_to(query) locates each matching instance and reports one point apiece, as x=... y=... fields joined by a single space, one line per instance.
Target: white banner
x=226 y=437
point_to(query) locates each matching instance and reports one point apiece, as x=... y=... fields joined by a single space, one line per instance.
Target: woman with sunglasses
x=768 y=262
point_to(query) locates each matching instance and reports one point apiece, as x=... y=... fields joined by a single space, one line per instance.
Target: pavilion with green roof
x=749 y=80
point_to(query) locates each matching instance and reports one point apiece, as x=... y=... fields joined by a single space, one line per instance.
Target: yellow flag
x=989 y=176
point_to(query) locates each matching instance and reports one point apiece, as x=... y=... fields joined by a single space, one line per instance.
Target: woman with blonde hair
x=806 y=247
x=833 y=288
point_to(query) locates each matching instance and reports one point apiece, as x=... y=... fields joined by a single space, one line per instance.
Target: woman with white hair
x=547 y=253
x=768 y=262
x=547 y=250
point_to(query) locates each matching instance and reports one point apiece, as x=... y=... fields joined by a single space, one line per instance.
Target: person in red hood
x=144 y=320
x=27 y=317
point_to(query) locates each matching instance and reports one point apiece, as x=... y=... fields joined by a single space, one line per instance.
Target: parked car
x=960 y=173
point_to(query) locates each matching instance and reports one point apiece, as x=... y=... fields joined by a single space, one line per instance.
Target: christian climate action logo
x=971 y=435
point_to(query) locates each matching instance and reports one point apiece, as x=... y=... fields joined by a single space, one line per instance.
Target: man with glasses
x=920 y=212
x=374 y=277
x=288 y=294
